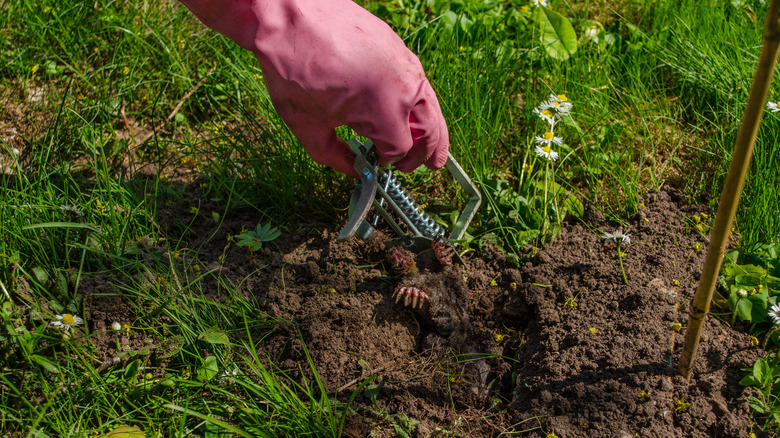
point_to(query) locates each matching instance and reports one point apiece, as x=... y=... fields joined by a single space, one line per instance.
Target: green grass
x=658 y=98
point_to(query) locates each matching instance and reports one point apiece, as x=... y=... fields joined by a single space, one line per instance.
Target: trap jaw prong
x=378 y=186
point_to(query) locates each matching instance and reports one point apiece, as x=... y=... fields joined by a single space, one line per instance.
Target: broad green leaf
x=730 y=258
x=744 y=309
x=267 y=232
x=758 y=312
x=131 y=370
x=40 y=274
x=735 y=270
x=762 y=372
x=749 y=380
x=208 y=370
x=214 y=336
x=125 y=432
x=747 y=281
x=552 y=187
x=575 y=206
x=46 y=363
x=62 y=284
x=557 y=34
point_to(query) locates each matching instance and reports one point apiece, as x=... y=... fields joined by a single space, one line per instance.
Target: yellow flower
x=753 y=341
x=513 y=285
x=67 y=321
x=99 y=207
x=682 y=406
x=194 y=210
x=47 y=9
x=493 y=282
x=594 y=330
x=35 y=68
x=499 y=337
x=677 y=326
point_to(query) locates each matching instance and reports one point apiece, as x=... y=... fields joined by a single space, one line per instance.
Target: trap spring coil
x=424 y=223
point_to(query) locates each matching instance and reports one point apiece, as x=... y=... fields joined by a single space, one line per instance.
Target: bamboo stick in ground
x=729 y=199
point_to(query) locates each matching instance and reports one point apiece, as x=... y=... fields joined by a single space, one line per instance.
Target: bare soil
x=560 y=344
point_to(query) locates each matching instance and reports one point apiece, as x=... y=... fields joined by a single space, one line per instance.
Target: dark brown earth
x=569 y=348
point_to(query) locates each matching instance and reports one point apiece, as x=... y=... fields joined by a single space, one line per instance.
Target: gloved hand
x=329 y=63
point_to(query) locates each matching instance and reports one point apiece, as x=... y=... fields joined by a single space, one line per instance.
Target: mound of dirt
x=561 y=344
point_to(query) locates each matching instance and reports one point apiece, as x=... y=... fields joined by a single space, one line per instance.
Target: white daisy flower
x=545 y=115
x=548 y=139
x=742 y=293
x=230 y=373
x=774 y=313
x=67 y=321
x=116 y=326
x=546 y=152
x=557 y=106
x=617 y=237
x=772 y=106
x=539 y=2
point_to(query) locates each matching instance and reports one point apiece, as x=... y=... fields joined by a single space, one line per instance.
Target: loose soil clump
x=560 y=344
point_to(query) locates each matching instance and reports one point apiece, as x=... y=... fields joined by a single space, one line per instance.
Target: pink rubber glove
x=329 y=63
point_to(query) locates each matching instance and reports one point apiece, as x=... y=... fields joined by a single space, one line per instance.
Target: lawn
x=140 y=151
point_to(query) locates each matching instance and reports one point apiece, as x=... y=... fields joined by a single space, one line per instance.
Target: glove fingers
x=430 y=138
x=326 y=148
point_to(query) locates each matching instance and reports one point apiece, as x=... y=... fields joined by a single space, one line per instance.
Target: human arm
x=329 y=63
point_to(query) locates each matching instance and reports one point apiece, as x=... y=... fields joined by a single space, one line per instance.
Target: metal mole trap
x=381 y=188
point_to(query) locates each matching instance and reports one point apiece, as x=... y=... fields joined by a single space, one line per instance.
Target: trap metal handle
x=378 y=186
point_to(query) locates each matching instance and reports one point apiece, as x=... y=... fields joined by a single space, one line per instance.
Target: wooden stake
x=740 y=162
